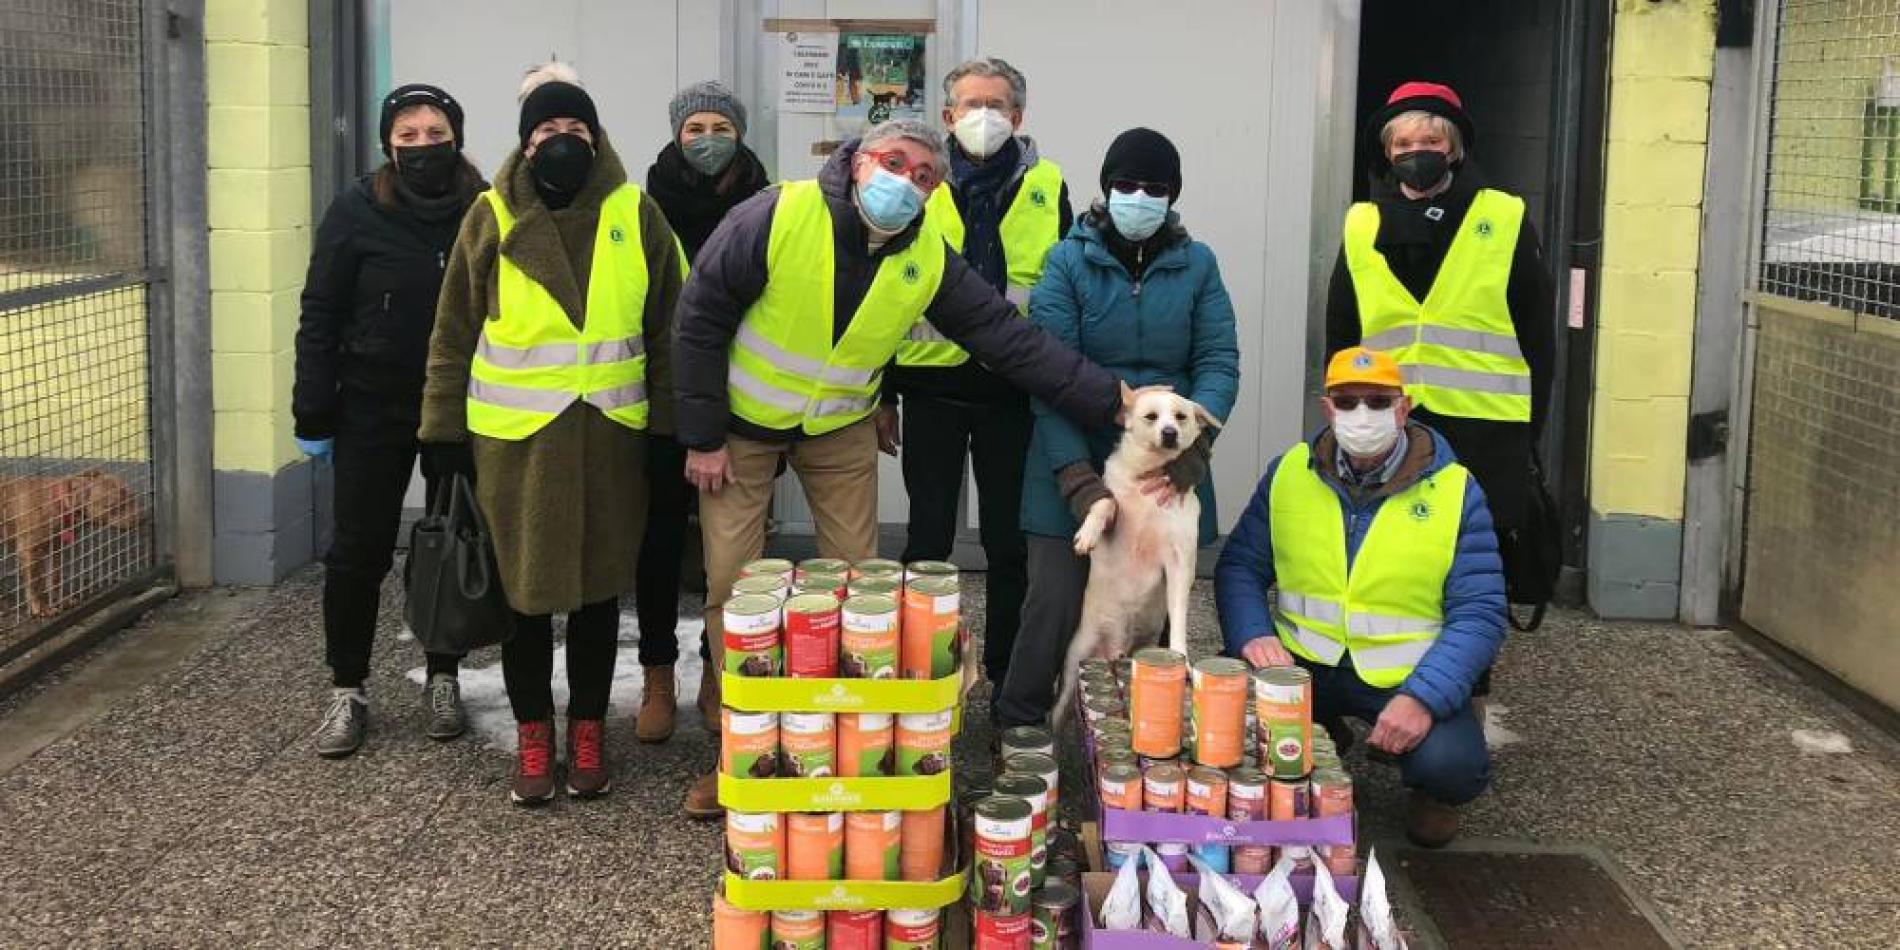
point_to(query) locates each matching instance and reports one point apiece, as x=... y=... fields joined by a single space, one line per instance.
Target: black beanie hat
x=1143 y=155
x=557 y=100
x=418 y=94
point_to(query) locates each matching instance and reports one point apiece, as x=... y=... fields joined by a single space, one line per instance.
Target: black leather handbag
x=455 y=603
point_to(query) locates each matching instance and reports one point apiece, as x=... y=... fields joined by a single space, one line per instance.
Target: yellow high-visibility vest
x=1387 y=609
x=784 y=369
x=1031 y=226
x=1457 y=348
x=531 y=363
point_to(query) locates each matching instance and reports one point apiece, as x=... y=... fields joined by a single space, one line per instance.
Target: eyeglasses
x=1150 y=188
x=1346 y=403
x=924 y=175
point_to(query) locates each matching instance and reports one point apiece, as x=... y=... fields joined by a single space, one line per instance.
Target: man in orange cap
x=1390 y=592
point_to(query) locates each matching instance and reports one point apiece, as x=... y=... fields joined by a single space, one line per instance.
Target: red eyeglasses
x=923 y=174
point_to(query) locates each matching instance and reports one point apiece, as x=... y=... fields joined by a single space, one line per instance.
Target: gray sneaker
x=344 y=723
x=446 y=718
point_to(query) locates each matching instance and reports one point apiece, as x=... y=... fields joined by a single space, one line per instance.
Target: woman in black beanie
x=368 y=308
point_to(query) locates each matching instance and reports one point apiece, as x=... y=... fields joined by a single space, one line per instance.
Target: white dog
x=1139 y=549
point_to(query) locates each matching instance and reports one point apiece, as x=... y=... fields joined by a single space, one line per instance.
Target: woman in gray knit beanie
x=699 y=176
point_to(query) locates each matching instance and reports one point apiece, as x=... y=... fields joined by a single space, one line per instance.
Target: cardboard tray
x=781 y=694
x=1121 y=825
x=860 y=895
x=879 y=793
x=1095 y=885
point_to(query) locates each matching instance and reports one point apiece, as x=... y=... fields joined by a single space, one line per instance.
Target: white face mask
x=982 y=131
x=1365 y=432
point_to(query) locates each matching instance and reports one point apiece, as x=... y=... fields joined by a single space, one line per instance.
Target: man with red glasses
x=1390 y=591
x=796 y=304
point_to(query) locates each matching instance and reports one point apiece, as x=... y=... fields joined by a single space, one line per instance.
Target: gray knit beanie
x=708 y=96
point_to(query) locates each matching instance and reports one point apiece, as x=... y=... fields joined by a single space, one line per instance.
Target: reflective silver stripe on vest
x=1017 y=295
x=758 y=389
x=1386 y=625
x=1318 y=608
x=842 y=405
x=551 y=355
x=923 y=331
x=1476 y=341
x=1503 y=384
x=1391 y=656
x=752 y=339
x=518 y=397
x=1320 y=645
x=619 y=397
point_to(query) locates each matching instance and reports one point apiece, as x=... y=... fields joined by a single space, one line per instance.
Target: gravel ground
x=194 y=813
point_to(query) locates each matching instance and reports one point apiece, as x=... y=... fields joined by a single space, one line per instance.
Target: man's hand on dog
x=1401 y=726
x=1162 y=491
x=1266 y=651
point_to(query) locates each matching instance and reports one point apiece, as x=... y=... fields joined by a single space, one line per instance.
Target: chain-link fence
x=77 y=487
x=1832 y=230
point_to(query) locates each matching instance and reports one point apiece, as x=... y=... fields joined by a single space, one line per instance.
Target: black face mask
x=561 y=163
x=1421 y=170
x=428 y=170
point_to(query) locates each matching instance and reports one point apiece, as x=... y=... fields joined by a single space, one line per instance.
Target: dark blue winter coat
x=1474 y=620
x=1174 y=326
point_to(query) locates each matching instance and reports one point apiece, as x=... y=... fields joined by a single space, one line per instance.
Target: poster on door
x=880 y=76
x=806 y=73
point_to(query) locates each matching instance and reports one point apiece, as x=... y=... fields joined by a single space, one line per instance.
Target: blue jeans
x=1450 y=765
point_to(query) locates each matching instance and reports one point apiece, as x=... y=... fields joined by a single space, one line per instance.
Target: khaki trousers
x=838 y=471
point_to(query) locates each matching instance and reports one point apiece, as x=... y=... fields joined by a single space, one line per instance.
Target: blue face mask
x=1138 y=216
x=889 y=201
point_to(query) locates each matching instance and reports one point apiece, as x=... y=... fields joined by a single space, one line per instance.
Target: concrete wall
x=258 y=95
x=1659 y=112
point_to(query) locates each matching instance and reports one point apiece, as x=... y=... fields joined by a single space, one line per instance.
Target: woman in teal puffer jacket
x=1131 y=291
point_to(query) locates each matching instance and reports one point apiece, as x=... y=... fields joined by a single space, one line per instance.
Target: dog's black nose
x=1170 y=437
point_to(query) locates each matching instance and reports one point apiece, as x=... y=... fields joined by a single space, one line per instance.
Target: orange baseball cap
x=1357 y=364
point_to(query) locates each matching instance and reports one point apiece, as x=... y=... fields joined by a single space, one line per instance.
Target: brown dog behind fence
x=40 y=517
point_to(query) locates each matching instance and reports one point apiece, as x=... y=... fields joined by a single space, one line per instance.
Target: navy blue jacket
x=1474 y=589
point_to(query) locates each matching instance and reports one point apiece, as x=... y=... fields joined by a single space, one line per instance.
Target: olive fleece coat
x=566 y=506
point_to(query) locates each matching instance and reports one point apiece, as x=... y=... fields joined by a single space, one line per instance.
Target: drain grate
x=1481 y=900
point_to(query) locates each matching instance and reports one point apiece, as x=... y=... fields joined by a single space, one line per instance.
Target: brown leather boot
x=587 y=773
x=533 y=782
x=1429 y=823
x=709 y=696
x=702 y=800
x=659 y=706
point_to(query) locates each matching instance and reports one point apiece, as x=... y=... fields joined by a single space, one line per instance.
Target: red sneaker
x=534 y=764
x=587 y=759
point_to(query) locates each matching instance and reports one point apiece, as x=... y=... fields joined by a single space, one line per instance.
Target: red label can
x=812 y=629
x=996 y=932
x=854 y=930
x=912 y=929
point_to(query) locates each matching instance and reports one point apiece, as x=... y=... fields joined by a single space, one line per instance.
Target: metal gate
x=1822 y=493
x=78 y=479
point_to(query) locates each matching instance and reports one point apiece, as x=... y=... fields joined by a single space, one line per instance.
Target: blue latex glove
x=315 y=448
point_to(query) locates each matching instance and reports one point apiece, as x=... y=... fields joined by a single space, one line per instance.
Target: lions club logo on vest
x=617 y=235
x=1421 y=511
x=912 y=273
x=1038 y=197
x=1484 y=228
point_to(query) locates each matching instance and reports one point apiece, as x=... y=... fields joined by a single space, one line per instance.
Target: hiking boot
x=447 y=720
x=659 y=706
x=702 y=800
x=1429 y=823
x=534 y=764
x=587 y=759
x=708 y=701
x=344 y=723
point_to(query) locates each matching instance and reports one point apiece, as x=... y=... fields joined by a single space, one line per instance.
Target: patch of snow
x=1495 y=733
x=486 y=697
x=1821 y=742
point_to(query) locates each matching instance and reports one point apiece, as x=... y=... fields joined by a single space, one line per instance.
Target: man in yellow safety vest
x=795 y=306
x=1002 y=207
x=1390 y=592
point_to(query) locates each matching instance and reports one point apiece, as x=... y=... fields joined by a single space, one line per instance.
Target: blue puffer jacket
x=1175 y=326
x=1474 y=589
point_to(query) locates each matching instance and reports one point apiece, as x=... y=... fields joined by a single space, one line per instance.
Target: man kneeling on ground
x=1390 y=588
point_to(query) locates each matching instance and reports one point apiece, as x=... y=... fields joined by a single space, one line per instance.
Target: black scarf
x=1415 y=233
x=694 y=203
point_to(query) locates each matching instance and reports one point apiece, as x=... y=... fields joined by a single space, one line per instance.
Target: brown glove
x=1081 y=486
x=1188 y=470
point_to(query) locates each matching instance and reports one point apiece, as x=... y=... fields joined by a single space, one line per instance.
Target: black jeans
x=527 y=663
x=1051 y=611
x=656 y=585
x=937 y=435
x=372 y=476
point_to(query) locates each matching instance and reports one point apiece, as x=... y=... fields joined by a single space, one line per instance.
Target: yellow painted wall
x=1660 y=69
x=257 y=76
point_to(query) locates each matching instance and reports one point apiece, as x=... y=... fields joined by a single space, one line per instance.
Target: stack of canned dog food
x=835 y=620
x=1217 y=740
x=1025 y=875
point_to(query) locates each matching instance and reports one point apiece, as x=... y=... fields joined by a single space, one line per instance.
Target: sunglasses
x=924 y=175
x=1149 y=188
x=1345 y=403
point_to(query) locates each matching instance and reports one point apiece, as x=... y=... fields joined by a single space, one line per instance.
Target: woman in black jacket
x=700 y=175
x=368 y=309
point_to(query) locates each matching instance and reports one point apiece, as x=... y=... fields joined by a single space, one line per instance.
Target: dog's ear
x=1205 y=418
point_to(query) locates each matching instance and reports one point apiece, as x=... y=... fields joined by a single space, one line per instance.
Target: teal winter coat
x=1174 y=326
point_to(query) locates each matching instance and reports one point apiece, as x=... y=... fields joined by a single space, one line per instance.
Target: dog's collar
x=68 y=512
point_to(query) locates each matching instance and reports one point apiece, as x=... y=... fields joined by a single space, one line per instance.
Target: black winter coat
x=368 y=309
